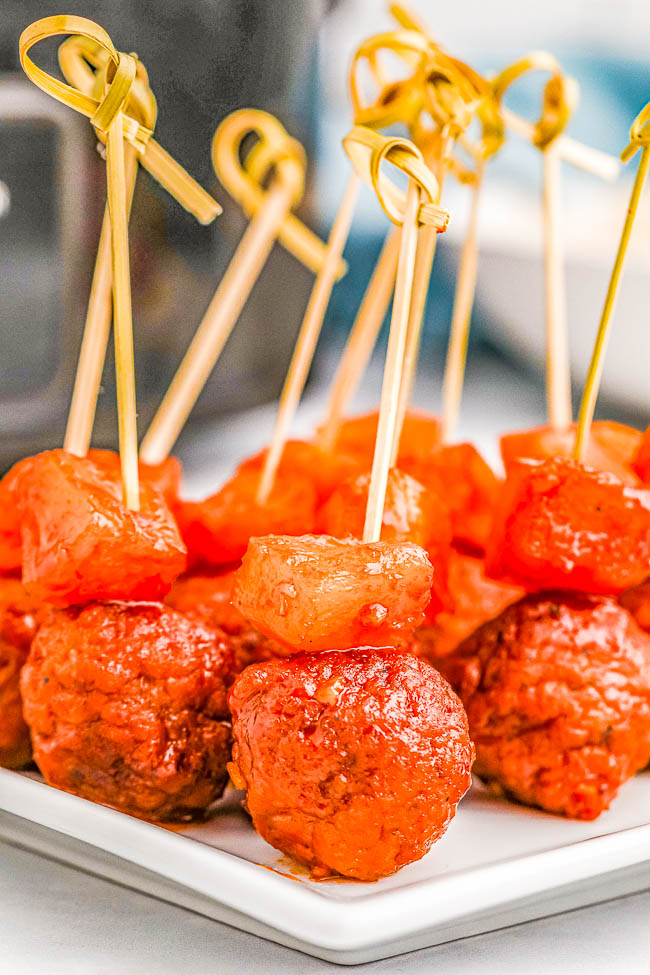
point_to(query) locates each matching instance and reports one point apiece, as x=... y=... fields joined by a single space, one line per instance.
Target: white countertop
x=59 y=921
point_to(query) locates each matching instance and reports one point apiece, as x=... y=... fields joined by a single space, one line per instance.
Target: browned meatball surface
x=127 y=706
x=353 y=761
x=557 y=692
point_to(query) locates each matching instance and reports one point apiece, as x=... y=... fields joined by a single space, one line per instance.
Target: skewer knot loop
x=397 y=99
x=103 y=84
x=367 y=150
x=275 y=151
x=560 y=96
x=639 y=134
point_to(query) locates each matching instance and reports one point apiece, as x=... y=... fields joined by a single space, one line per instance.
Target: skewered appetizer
x=352 y=762
x=557 y=694
x=126 y=703
x=323 y=571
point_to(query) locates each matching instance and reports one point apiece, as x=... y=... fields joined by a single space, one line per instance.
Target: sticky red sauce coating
x=563 y=525
x=469 y=486
x=217 y=530
x=475 y=598
x=315 y=593
x=612 y=447
x=127 y=706
x=20 y=618
x=557 y=693
x=208 y=599
x=164 y=477
x=352 y=763
x=80 y=541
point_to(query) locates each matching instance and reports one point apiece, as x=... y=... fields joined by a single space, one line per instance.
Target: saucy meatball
x=126 y=703
x=353 y=763
x=557 y=692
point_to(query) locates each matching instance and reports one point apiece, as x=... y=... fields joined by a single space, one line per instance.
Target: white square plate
x=499 y=864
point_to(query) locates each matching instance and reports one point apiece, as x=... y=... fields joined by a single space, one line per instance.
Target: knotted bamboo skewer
x=367 y=150
x=639 y=139
x=373 y=309
x=576 y=153
x=112 y=90
x=560 y=98
x=271 y=215
x=108 y=114
x=427 y=90
x=393 y=102
x=451 y=100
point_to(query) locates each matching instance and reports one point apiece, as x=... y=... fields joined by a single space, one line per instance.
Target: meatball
x=315 y=593
x=352 y=762
x=217 y=530
x=19 y=620
x=126 y=703
x=561 y=525
x=81 y=542
x=208 y=600
x=557 y=692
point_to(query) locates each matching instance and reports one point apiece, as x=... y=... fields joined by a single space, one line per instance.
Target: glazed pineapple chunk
x=314 y=592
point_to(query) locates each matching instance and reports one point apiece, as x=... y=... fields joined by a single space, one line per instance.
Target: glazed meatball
x=19 y=619
x=208 y=599
x=557 y=692
x=127 y=706
x=352 y=762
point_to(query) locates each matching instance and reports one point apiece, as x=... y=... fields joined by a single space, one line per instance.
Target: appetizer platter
x=268 y=705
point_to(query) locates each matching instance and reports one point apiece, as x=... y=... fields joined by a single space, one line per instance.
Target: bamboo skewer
x=560 y=98
x=81 y=416
x=424 y=258
x=558 y=377
x=453 y=379
x=111 y=89
x=308 y=337
x=122 y=313
x=362 y=338
x=216 y=326
x=639 y=138
x=107 y=117
x=271 y=212
x=389 y=405
x=367 y=150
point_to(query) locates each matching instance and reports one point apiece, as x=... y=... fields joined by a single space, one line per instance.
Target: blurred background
x=208 y=57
